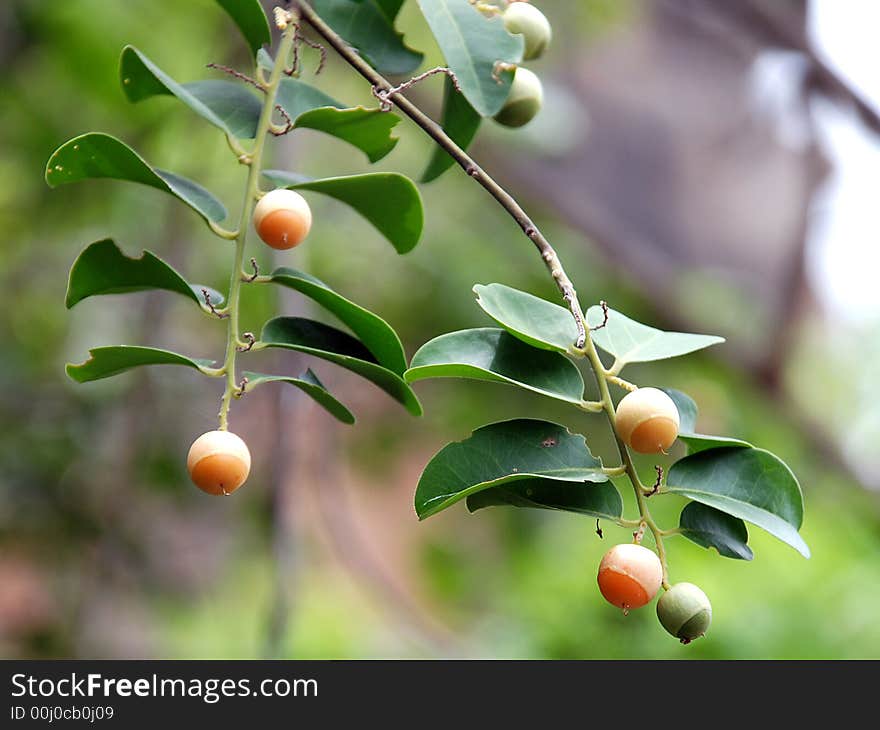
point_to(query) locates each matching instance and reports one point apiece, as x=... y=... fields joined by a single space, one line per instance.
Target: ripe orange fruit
x=629 y=576
x=282 y=218
x=218 y=462
x=647 y=420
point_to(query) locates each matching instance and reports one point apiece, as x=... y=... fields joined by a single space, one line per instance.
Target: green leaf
x=336 y=346
x=500 y=454
x=367 y=27
x=687 y=412
x=596 y=500
x=460 y=121
x=309 y=384
x=105 y=362
x=748 y=483
x=251 y=21
x=390 y=7
x=711 y=528
x=494 y=355
x=378 y=336
x=309 y=108
x=631 y=341
x=535 y=321
x=227 y=105
x=472 y=45
x=388 y=200
x=97 y=155
x=102 y=268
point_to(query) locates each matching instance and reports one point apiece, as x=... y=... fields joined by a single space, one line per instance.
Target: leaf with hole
x=367 y=27
x=248 y=15
x=630 y=341
x=460 y=121
x=228 y=105
x=336 y=346
x=104 y=362
x=502 y=454
x=388 y=200
x=751 y=484
x=494 y=355
x=102 y=268
x=473 y=45
x=97 y=155
x=711 y=528
x=535 y=321
x=309 y=384
x=378 y=336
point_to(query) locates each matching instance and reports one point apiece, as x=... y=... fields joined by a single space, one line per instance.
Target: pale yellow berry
x=524 y=100
x=526 y=19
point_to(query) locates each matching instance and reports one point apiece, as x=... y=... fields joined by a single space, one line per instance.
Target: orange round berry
x=629 y=576
x=218 y=462
x=282 y=218
x=647 y=420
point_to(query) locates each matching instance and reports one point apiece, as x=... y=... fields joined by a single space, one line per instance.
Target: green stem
x=256 y=156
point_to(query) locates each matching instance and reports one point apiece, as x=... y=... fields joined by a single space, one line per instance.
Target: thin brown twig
x=383 y=94
x=433 y=130
x=237 y=74
x=604 y=305
x=210 y=305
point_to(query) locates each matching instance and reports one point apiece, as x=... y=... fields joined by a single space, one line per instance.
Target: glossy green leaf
x=472 y=45
x=251 y=21
x=501 y=454
x=390 y=7
x=309 y=384
x=631 y=341
x=366 y=26
x=460 y=121
x=229 y=106
x=687 y=411
x=105 y=362
x=97 y=155
x=378 y=336
x=600 y=500
x=533 y=320
x=751 y=484
x=367 y=129
x=388 y=200
x=494 y=355
x=102 y=268
x=336 y=346
x=711 y=528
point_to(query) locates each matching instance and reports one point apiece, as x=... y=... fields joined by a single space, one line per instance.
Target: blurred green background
x=107 y=550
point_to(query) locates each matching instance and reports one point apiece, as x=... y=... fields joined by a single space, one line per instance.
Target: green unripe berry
x=524 y=100
x=526 y=19
x=685 y=612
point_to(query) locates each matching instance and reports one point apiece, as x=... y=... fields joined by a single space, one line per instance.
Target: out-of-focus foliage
x=106 y=549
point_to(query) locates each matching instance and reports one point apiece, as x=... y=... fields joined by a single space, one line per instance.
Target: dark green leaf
x=460 y=121
x=503 y=453
x=687 y=409
x=378 y=336
x=390 y=7
x=697 y=442
x=493 y=354
x=104 y=362
x=367 y=129
x=596 y=500
x=227 y=105
x=97 y=155
x=103 y=269
x=712 y=528
x=390 y=201
x=535 y=321
x=748 y=483
x=329 y=343
x=251 y=21
x=309 y=384
x=366 y=26
x=472 y=45
x=631 y=341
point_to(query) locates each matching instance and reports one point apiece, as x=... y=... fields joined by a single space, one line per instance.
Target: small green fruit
x=685 y=612
x=521 y=17
x=524 y=101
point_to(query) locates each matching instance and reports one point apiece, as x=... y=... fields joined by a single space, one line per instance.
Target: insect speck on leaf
x=548 y=442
